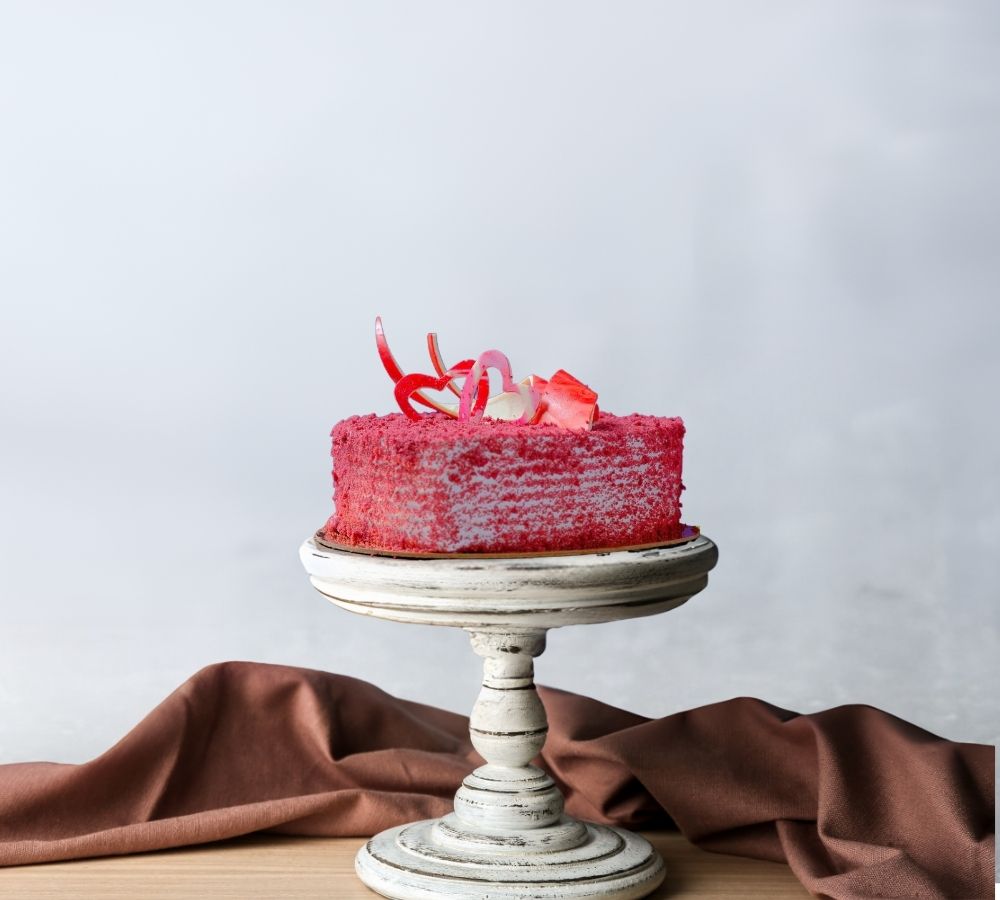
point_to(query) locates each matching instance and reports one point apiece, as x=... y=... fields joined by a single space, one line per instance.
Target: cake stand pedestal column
x=508 y=836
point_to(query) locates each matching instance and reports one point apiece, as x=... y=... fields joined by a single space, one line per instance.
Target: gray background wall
x=778 y=220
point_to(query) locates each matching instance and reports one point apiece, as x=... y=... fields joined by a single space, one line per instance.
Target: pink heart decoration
x=475 y=391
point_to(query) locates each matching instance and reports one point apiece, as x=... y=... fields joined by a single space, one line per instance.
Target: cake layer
x=443 y=486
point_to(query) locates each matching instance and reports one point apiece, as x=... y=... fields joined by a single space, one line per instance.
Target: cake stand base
x=442 y=858
x=508 y=838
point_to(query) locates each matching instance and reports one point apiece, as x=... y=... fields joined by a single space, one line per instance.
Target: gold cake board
x=690 y=533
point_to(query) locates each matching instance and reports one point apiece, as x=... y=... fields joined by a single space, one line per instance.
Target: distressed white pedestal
x=508 y=836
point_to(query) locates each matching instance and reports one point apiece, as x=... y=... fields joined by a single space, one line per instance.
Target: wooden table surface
x=268 y=866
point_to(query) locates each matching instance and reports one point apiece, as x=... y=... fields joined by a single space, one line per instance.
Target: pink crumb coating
x=444 y=486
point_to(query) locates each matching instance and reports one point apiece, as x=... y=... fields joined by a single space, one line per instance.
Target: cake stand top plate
x=533 y=592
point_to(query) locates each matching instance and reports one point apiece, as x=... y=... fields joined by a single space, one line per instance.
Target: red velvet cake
x=438 y=484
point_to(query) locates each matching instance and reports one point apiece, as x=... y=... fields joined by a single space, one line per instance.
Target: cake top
x=430 y=427
x=561 y=401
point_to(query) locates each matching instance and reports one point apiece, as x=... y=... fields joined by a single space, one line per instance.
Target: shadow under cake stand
x=508 y=836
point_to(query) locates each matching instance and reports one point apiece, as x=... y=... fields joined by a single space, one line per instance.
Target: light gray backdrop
x=778 y=220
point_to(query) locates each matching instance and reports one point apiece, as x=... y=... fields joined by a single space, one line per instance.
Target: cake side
x=445 y=486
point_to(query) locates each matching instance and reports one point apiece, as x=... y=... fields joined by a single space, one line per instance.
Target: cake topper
x=560 y=400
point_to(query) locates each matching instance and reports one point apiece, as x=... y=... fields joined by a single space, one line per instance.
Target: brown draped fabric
x=858 y=802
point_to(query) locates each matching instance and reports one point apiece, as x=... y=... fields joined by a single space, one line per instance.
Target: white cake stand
x=508 y=836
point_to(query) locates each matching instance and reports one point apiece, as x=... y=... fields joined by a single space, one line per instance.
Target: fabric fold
x=858 y=802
